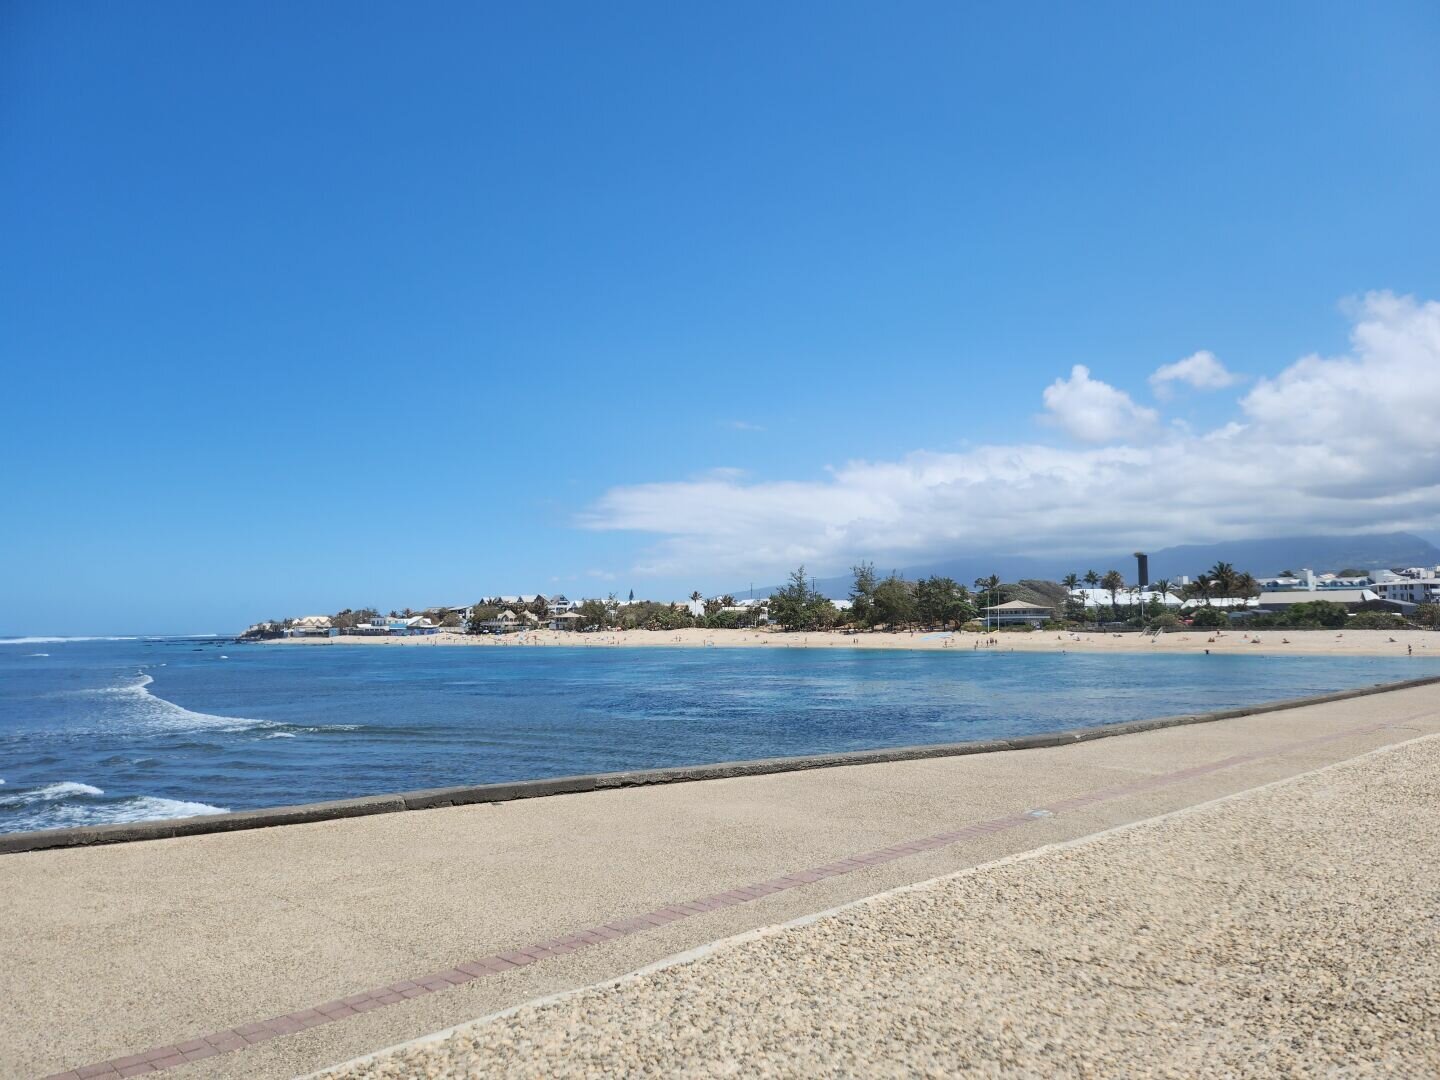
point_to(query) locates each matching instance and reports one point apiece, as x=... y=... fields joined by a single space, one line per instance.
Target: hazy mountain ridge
x=1263 y=558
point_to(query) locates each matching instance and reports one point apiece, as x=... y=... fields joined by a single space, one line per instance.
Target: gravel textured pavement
x=1290 y=931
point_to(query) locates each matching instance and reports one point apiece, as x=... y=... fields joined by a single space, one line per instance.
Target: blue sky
x=306 y=306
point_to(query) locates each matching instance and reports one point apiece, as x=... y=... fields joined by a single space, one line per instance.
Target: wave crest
x=69 y=804
x=140 y=707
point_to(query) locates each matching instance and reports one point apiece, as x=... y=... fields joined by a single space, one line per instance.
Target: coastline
x=586 y=783
x=535 y=896
x=1422 y=643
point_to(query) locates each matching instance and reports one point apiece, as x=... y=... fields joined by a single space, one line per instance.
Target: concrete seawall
x=568 y=785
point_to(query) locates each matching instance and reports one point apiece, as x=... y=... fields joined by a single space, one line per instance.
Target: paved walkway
x=1260 y=936
x=276 y=952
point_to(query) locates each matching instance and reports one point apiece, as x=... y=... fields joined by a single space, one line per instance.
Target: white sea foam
x=153 y=808
x=281 y=735
x=39 y=654
x=49 y=793
x=139 y=707
x=69 y=803
x=57 y=640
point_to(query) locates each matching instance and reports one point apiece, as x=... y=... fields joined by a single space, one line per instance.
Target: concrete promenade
x=277 y=952
x=1258 y=936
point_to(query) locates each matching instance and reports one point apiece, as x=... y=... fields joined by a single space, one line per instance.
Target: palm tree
x=695 y=597
x=988 y=585
x=1224 y=577
x=1092 y=578
x=1162 y=589
x=1203 y=586
x=1112 y=583
x=1071 y=583
x=1246 y=586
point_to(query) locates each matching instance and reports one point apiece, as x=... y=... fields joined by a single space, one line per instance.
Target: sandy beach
x=1418 y=643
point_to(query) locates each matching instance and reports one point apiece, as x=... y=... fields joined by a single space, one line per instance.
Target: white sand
x=1419 y=643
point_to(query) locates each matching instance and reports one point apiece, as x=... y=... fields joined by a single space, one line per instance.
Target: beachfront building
x=1101 y=599
x=565 y=620
x=312 y=626
x=1018 y=613
x=397 y=626
x=508 y=622
x=1228 y=604
x=559 y=604
x=1409 y=590
x=1353 y=599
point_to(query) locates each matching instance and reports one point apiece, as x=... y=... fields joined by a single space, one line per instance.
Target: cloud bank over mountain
x=1335 y=444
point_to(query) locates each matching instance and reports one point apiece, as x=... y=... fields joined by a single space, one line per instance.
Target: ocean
x=108 y=730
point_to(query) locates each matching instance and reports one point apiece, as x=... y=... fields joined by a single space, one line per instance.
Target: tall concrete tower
x=1142 y=562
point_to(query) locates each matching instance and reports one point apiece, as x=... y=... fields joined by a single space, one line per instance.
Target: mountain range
x=1263 y=558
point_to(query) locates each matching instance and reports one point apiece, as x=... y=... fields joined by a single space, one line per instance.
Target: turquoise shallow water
x=124 y=730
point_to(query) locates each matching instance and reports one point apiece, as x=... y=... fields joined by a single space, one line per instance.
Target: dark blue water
x=94 y=731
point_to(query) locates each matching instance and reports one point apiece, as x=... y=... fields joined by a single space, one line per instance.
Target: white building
x=1018 y=613
x=1351 y=598
x=1408 y=590
x=1100 y=598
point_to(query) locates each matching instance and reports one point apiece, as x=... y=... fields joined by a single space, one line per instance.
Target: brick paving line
x=229 y=1040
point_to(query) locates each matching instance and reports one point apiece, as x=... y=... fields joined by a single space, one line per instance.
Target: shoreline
x=1418 y=643
x=536 y=896
x=83 y=836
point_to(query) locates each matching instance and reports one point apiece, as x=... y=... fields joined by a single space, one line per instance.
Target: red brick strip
x=238 y=1038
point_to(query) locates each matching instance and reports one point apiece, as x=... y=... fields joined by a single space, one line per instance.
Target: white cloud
x=1202 y=370
x=1346 y=444
x=1094 y=411
x=743 y=425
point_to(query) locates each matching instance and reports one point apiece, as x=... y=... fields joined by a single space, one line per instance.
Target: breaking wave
x=69 y=803
x=137 y=706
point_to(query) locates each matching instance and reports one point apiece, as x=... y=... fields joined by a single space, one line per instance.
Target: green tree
x=1427 y=615
x=1112 y=583
x=1315 y=614
x=862 y=594
x=1375 y=620
x=985 y=588
x=1092 y=578
x=1246 y=586
x=1225 y=579
x=1202 y=588
x=797 y=606
x=1209 y=617
x=1071 y=582
x=594 y=613
x=481 y=613
x=894 y=602
x=942 y=601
